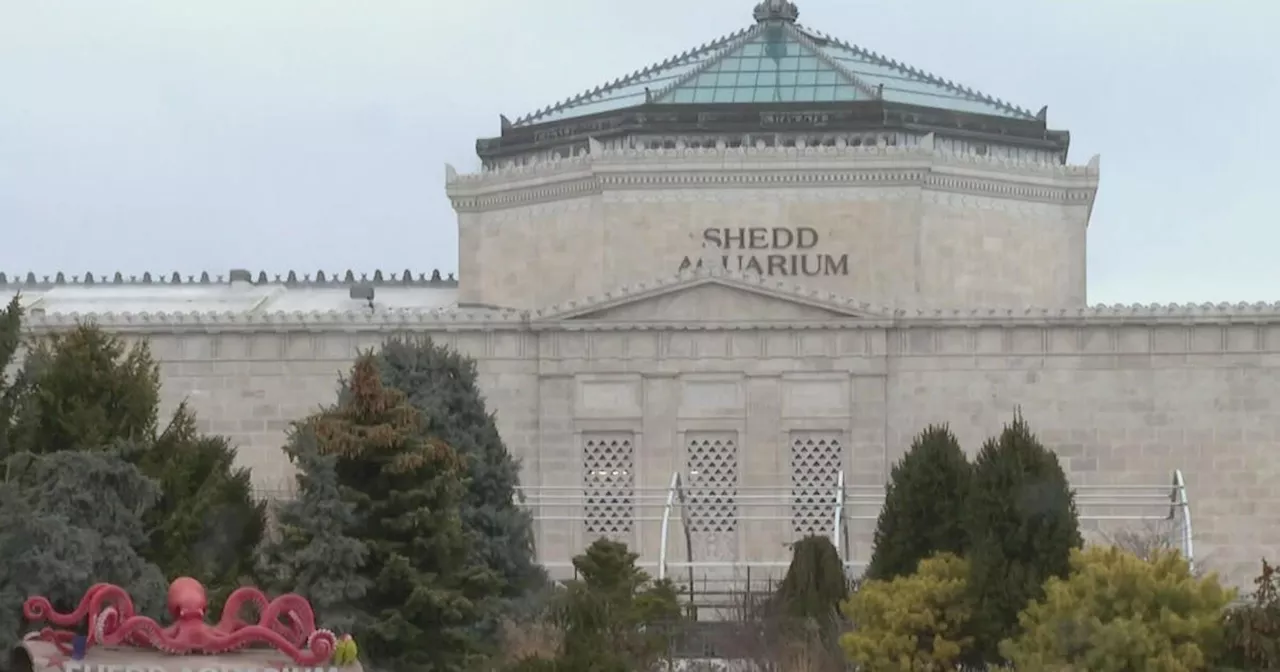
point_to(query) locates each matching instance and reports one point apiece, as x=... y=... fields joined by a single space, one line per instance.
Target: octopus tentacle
x=109 y=608
x=236 y=602
x=144 y=629
x=320 y=644
x=300 y=620
x=39 y=608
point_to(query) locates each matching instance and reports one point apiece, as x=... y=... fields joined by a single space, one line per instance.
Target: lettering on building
x=774 y=251
x=795 y=118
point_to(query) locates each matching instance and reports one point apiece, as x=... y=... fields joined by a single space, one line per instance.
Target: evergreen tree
x=923 y=506
x=406 y=491
x=10 y=390
x=313 y=554
x=207 y=522
x=809 y=598
x=68 y=520
x=1022 y=525
x=87 y=390
x=441 y=384
x=614 y=618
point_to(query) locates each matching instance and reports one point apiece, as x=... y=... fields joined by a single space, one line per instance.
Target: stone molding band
x=920 y=167
x=871 y=178
x=1186 y=315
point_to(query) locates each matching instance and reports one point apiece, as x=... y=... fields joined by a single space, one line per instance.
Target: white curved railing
x=1180 y=514
x=766 y=511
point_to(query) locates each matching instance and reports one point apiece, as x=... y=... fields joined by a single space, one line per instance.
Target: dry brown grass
x=522 y=640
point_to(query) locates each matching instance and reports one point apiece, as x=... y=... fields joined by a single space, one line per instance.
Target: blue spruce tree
x=441 y=384
x=311 y=553
x=419 y=607
x=68 y=520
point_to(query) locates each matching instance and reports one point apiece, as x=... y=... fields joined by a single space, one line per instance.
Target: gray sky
x=162 y=135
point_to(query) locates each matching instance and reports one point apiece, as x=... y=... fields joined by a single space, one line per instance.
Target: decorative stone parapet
x=919 y=163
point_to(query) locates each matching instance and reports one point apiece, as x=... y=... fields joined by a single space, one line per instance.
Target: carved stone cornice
x=145 y=324
x=920 y=166
x=562 y=316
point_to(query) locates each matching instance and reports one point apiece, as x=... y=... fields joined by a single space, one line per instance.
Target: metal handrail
x=843 y=498
x=1179 y=501
x=838 y=523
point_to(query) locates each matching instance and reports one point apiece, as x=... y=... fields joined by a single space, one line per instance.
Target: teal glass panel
x=772 y=67
x=913 y=87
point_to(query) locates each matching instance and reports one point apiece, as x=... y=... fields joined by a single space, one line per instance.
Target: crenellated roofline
x=259 y=315
x=406 y=278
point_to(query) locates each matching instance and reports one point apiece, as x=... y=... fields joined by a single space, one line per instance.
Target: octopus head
x=187 y=599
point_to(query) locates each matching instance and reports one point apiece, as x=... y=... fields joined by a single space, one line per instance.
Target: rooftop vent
x=240 y=277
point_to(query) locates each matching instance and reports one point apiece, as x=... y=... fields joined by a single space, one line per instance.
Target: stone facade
x=892 y=219
x=763 y=406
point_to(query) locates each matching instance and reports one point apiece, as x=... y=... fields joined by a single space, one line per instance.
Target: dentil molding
x=778 y=169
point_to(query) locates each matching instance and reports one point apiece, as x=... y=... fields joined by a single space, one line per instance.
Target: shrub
x=1116 y=612
x=912 y=622
x=1252 y=631
x=806 y=606
x=923 y=505
x=613 y=617
x=1022 y=525
x=815 y=583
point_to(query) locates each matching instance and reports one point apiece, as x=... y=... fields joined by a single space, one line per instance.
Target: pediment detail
x=712 y=296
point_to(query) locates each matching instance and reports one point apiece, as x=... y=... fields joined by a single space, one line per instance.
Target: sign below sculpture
x=765 y=250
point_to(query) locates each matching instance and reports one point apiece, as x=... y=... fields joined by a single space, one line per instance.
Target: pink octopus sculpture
x=287 y=623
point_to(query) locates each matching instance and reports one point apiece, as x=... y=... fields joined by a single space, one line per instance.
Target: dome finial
x=776 y=10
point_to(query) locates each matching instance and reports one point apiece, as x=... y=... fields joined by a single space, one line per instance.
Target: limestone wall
x=1122 y=403
x=898 y=226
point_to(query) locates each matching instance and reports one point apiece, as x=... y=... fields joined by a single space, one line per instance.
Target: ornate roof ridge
x=853 y=78
x=842 y=148
x=290 y=279
x=737 y=40
x=922 y=75
x=627 y=80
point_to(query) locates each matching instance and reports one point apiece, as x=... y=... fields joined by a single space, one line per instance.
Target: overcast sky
x=162 y=135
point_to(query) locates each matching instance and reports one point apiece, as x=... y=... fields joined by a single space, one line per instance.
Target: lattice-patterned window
x=816 y=461
x=711 y=461
x=608 y=483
